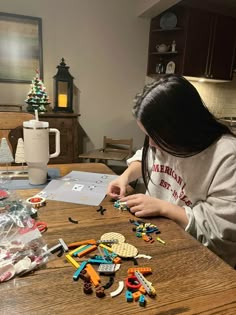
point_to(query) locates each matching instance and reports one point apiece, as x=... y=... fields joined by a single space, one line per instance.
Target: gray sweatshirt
x=205 y=185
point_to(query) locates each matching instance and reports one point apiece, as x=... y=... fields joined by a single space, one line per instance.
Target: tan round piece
x=124 y=250
x=113 y=236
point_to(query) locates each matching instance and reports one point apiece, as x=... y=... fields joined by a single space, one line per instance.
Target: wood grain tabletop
x=188 y=278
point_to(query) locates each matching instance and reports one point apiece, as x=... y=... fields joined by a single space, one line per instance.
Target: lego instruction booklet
x=78 y=187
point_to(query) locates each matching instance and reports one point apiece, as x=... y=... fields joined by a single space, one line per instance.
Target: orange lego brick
x=143 y=270
x=146 y=238
x=116 y=260
x=142 y=290
x=77 y=244
x=86 y=251
x=93 y=275
x=136 y=295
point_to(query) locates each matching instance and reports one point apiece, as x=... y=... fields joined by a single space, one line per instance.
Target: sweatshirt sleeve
x=213 y=221
x=136 y=157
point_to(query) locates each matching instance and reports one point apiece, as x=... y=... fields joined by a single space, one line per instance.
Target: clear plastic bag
x=22 y=248
x=14 y=205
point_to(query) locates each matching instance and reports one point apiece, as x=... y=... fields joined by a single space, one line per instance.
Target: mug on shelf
x=162 y=48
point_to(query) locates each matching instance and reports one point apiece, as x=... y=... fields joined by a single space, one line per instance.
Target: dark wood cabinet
x=205 y=44
x=197 y=44
x=68 y=126
x=210 y=45
x=223 y=49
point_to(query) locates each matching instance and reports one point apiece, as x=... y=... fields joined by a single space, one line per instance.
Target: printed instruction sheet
x=78 y=187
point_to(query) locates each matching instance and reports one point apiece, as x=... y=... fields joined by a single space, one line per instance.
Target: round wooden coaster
x=124 y=250
x=113 y=236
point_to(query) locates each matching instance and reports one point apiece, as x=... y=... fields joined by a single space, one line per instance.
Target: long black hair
x=176 y=119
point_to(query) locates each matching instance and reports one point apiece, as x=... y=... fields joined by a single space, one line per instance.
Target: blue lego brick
x=81 y=250
x=129 y=296
x=141 y=300
x=98 y=261
x=78 y=271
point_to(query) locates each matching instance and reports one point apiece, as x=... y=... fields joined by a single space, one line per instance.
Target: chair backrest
x=11 y=120
x=11 y=126
x=118 y=145
x=10 y=107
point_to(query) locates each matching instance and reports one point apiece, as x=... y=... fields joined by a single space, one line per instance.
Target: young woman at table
x=188 y=164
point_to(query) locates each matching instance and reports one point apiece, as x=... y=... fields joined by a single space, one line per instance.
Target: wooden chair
x=11 y=127
x=113 y=149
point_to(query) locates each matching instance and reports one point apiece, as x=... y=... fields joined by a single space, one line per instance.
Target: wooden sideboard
x=68 y=126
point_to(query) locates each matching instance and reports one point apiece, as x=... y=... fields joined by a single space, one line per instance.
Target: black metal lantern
x=63 y=89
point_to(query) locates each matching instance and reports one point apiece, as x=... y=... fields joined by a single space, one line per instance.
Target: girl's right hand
x=117 y=188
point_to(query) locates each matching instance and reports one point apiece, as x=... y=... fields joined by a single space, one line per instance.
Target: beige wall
x=105 y=45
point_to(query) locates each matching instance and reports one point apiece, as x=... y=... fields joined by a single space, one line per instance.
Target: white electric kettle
x=36 y=147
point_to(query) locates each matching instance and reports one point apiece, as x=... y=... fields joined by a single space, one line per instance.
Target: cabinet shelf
x=157 y=75
x=164 y=53
x=168 y=30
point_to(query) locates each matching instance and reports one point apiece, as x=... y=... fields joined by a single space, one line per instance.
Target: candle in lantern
x=62 y=100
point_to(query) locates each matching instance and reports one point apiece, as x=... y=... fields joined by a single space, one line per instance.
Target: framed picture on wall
x=21 y=52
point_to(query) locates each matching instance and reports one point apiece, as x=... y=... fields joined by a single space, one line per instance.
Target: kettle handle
x=57 y=142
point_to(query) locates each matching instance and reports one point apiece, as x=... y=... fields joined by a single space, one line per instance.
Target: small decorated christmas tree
x=20 y=154
x=5 y=152
x=37 y=97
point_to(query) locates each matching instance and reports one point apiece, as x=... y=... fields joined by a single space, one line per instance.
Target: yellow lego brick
x=106 y=247
x=72 y=261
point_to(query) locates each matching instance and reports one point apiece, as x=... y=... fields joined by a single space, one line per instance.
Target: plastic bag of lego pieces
x=22 y=248
x=4 y=199
x=11 y=203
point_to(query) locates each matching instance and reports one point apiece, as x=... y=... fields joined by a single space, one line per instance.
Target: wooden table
x=188 y=278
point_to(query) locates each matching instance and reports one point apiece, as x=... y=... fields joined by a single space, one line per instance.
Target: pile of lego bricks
x=112 y=248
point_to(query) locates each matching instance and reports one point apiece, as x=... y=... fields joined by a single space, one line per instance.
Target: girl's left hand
x=143 y=205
